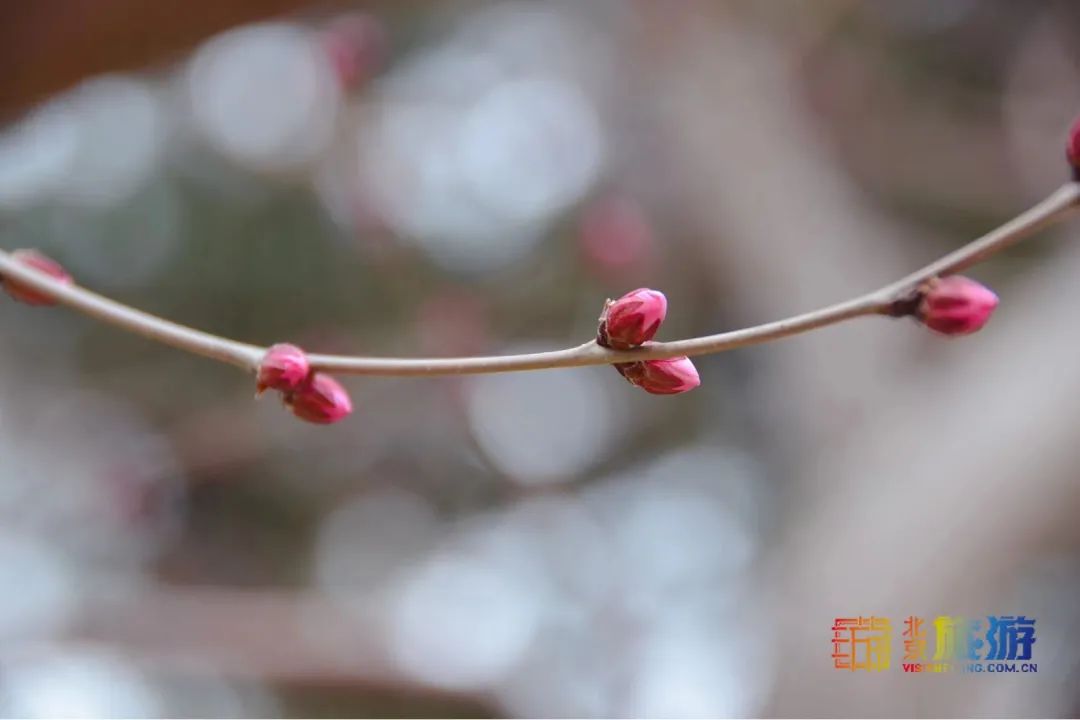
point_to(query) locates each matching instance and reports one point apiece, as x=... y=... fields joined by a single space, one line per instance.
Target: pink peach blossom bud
x=1072 y=149
x=40 y=262
x=284 y=367
x=632 y=320
x=661 y=377
x=955 y=305
x=321 y=400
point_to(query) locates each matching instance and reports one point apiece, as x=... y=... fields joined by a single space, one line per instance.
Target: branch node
x=906 y=304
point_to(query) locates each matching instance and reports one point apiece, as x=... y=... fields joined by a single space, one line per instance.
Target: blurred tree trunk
x=48 y=45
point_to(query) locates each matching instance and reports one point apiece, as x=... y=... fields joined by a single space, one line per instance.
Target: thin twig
x=879 y=302
x=134 y=321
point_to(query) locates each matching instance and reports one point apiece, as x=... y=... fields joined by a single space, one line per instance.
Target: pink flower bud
x=39 y=262
x=662 y=377
x=1072 y=148
x=321 y=400
x=955 y=305
x=284 y=367
x=632 y=320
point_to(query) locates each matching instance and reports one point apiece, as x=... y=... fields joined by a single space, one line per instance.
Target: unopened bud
x=632 y=320
x=1072 y=149
x=955 y=305
x=661 y=377
x=284 y=367
x=321 y=400
x=40 y=262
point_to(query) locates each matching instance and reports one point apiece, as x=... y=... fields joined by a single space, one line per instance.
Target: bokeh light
x=475 y=178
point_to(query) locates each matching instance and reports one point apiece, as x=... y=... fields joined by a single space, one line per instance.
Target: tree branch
x=879 y=302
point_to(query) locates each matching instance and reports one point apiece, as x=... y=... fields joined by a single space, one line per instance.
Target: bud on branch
x=284 y=367
x=661 y=377
x=631 y=322
x=955 y=305
x=934 y=295
x=38 y=261
x=320 y=400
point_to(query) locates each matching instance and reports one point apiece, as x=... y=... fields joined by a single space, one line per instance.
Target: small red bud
x=632 y=320
x=321 y=400
x=40 y=262
x=956 y=305
x=1072 y=149
x=661 y=377
x=284 y=367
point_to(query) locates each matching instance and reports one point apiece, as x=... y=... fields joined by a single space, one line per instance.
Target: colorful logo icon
x=992 y=644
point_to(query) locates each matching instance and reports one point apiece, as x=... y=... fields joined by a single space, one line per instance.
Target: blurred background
x=450 y=178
